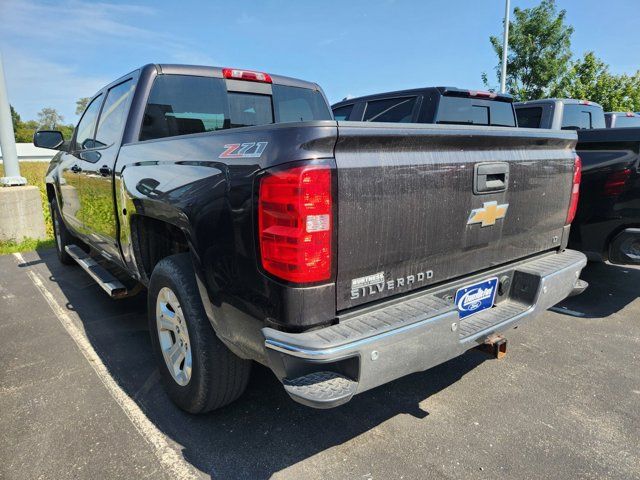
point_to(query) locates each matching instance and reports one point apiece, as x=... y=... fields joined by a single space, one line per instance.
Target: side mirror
x=51 y=139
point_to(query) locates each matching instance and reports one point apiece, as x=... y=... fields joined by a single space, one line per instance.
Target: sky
x=55 y=52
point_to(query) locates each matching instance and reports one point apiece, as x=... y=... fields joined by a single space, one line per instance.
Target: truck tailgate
x=408 y=215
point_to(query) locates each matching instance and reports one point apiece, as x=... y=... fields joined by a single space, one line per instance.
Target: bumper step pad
x=321 y=389
x=485 y=320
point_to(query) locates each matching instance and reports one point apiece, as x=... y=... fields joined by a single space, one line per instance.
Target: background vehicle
x=621 y=119
x=266 y=231
x=445 y=105
x=560 y=114
x=607 y=223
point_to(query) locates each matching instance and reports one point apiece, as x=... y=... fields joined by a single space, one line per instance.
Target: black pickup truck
x=342 y=255
x=446 y=105
x=607 y=223
x=622 y=119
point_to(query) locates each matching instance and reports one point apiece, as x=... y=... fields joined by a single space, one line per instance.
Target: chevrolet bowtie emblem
x=488 y=214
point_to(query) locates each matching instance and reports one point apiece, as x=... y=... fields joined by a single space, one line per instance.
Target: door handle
x=104 y=171
x=76 y=169
x=490 y=177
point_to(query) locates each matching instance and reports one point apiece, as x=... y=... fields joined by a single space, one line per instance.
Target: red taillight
x=575 y=190
x=295 y=223
x=616 y=182
x=250 y=75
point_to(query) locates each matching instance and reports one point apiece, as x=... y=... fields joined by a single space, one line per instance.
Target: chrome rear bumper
x=414 y=333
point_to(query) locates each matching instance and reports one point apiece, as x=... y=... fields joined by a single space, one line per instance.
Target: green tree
x=589 y=79
x=67 y=131
x=81 y=105
x=15 y=118
x=22 y=131
x=539 y=51
x=49 y=119
x=25 y=131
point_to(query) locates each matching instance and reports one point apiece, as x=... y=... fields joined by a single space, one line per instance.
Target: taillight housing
x=616 y=182
x=295 y=223
x=251 y=75
x=482 y=94
x=575 y=190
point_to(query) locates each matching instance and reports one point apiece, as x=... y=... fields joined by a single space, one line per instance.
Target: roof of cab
x=396 y=93
x=567 y=101
x=626 y=114
x=443 y=90
x=208 y=71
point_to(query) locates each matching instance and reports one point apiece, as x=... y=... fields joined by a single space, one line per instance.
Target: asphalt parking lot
x=80 y=398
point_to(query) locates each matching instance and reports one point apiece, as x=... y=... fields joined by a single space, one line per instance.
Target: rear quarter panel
x=185 y=182
x=600 y=217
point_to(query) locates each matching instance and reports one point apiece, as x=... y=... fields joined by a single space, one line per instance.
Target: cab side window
x=114 y=114
x=529 y=117
x=87 y=126
x=342 y=113
x=183 y=104
x=399 y=110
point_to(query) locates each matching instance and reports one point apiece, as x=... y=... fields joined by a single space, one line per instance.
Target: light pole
x=505 y=47
x=7 y=140
x=20 y=204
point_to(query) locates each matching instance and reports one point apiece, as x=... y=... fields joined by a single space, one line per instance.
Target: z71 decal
x=244 y=150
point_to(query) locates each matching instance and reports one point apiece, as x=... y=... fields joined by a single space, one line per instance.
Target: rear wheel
x=198 y=371
x=61 y=235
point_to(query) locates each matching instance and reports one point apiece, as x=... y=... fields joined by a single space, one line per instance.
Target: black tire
x=61 y=235
x=218 y=377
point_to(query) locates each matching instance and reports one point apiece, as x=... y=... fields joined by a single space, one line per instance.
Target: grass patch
x=24 y=246
x=34 y=172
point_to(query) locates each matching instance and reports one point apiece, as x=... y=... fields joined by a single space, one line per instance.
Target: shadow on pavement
x=611 y=288
x=261 y=433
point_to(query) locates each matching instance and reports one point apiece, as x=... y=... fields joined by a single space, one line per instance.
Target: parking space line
x=148 y=384
x=168 y=457
x=566 y=311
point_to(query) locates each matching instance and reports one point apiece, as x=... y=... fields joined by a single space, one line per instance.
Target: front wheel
x=198 y=371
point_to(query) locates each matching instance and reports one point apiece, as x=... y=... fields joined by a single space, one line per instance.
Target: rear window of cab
x=185 y=104
x=582 y=117
x=471 y=111
x=626 y=121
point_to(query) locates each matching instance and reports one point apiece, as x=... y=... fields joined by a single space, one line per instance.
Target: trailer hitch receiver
x=494 y=345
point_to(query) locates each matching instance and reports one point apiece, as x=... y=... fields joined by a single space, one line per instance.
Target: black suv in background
x=445 y=105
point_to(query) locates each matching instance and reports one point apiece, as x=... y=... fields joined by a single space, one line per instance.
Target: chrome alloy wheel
x=173 y=336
